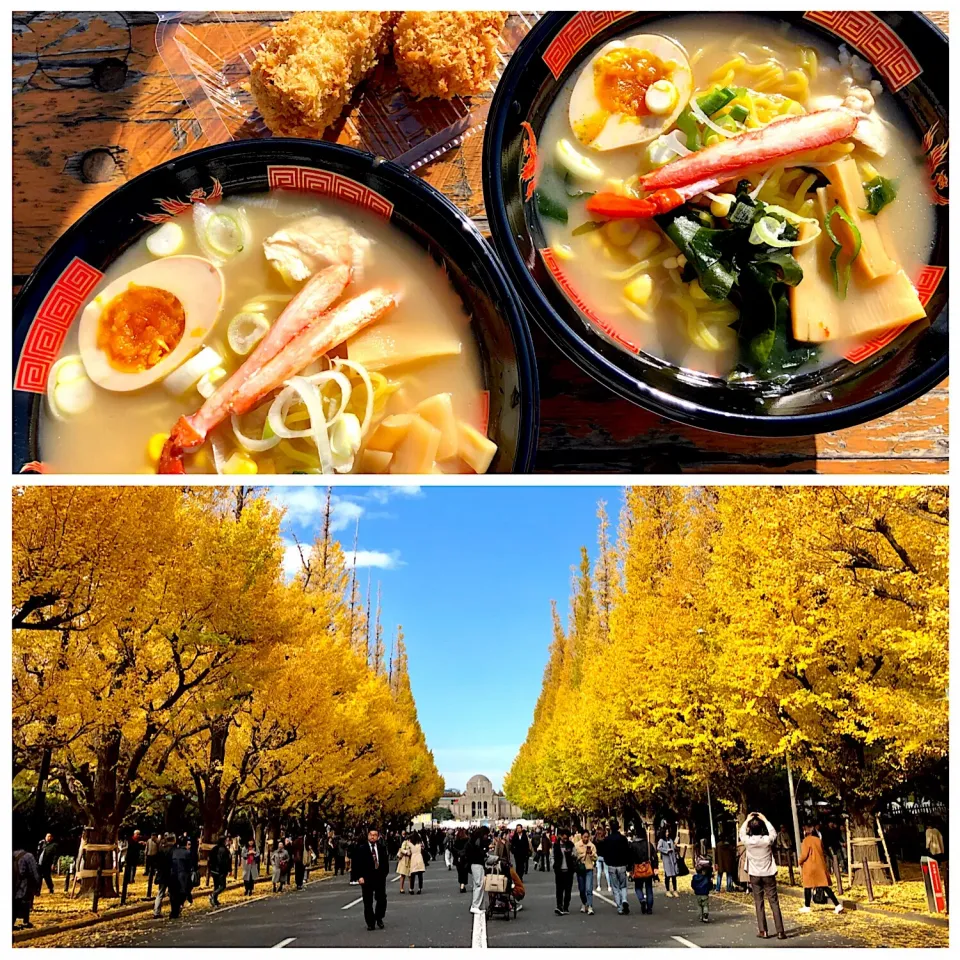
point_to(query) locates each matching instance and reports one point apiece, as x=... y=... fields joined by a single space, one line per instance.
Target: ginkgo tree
x=740 y=625
x=160 y=651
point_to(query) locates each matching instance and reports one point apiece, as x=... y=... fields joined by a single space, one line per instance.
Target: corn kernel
x=620 y=233
x=681 y=261
x=239 y=464
x=155 y=446
x=639 y=290
x=721 y=206
x=562 y=251
x=670 y=263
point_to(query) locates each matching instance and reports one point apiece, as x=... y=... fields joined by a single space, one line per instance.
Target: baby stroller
x=500 y=896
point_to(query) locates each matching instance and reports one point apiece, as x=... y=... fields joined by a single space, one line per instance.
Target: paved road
x=328 y=913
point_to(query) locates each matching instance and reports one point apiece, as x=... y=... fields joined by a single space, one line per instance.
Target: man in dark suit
x=369 y=867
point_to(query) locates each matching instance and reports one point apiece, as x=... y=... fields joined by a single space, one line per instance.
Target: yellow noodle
x=800 y=193
x=640 y=265
x=809 y=62
x=730 y=67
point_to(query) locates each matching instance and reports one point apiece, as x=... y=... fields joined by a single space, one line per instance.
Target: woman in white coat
x=417 y=861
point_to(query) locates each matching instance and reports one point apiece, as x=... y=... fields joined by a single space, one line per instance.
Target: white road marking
x=604 y=899
x=687 y=943
x=283 y=943
x=479 y=931
x=395 y=879
x=352 y=903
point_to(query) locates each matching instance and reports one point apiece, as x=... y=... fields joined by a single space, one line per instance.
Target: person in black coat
x=564 y=870
x=46 y=860
x=180 y=878
x=369 y=866
x=520 y=846
x=218 y=862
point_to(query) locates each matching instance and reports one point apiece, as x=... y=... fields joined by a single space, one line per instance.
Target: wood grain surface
x=94 y=105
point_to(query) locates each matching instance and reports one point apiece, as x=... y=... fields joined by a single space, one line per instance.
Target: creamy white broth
x=710 y=41
x=113 y=434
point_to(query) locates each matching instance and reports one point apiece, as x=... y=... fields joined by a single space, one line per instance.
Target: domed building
x=481 y=802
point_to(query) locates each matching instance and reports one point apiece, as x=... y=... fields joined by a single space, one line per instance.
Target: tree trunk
x=106 y=816
x=174 y=814
x=38 y=826
x=211 y=811
x=862 y=827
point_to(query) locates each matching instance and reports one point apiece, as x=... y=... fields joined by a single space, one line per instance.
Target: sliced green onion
x=224 y=234
x=245 y=331
x=575 y=163
x=838 y=246
x=739 y=112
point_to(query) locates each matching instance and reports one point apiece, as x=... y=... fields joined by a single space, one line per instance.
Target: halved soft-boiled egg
x=630 y=91
x=146 y=323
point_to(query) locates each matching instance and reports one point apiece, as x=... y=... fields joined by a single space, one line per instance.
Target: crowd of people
x=582 y=856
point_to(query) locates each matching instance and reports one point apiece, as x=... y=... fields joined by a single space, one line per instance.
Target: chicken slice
x=307 y=246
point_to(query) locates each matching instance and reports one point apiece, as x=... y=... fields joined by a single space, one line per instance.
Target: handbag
x=682 y=869
x=819 y=895
x=495 y=883
x=642 y=871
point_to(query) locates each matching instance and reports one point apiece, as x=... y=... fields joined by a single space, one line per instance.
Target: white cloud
x=373 y=558
x=383 y=494
x=292 y=564
x=305 y=505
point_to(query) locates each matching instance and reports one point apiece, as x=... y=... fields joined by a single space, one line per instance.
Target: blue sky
x=469 y=572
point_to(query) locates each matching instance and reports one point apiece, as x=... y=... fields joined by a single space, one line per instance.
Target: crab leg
x=796 y=134
x=614 y=206
x=316 y=295
x=241 y=394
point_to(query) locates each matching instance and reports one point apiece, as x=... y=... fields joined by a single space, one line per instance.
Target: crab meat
x=247 y=387
x=793 y=134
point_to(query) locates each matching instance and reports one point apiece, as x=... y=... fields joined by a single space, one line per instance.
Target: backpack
x=701 y=861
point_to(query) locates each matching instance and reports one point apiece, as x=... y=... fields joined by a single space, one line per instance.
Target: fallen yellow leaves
x=865 y=929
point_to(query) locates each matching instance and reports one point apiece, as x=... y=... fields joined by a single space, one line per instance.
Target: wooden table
x=93 y=104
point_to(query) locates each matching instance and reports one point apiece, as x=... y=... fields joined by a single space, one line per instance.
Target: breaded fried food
x=310 y=66
x=447 y=53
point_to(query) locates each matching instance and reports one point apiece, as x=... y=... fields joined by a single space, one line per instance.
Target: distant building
x=481 y=802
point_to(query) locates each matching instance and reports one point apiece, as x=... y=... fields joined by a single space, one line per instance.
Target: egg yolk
x=621 y=78
x=139 y=327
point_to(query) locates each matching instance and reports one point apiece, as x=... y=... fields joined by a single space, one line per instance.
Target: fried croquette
x=308 y=69
x=447 y=53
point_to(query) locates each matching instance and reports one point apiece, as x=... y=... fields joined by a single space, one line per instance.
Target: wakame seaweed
x=754 y=277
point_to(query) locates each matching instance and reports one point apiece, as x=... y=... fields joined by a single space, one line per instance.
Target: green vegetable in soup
x=701 y=246
x=587 y=227
x=841 y=278
x=577 y=193
x=739 y=112
x=753 y=276
x=709 y=103
x=550 y=207
x=880 y=191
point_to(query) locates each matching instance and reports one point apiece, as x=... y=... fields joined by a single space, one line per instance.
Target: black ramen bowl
x=910 y=56
x=51 y=299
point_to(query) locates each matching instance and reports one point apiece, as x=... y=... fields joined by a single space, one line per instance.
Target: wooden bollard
x=123 y=886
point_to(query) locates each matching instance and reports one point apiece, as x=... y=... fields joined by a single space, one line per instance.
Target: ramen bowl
x=907 y=58
x=53 y=298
